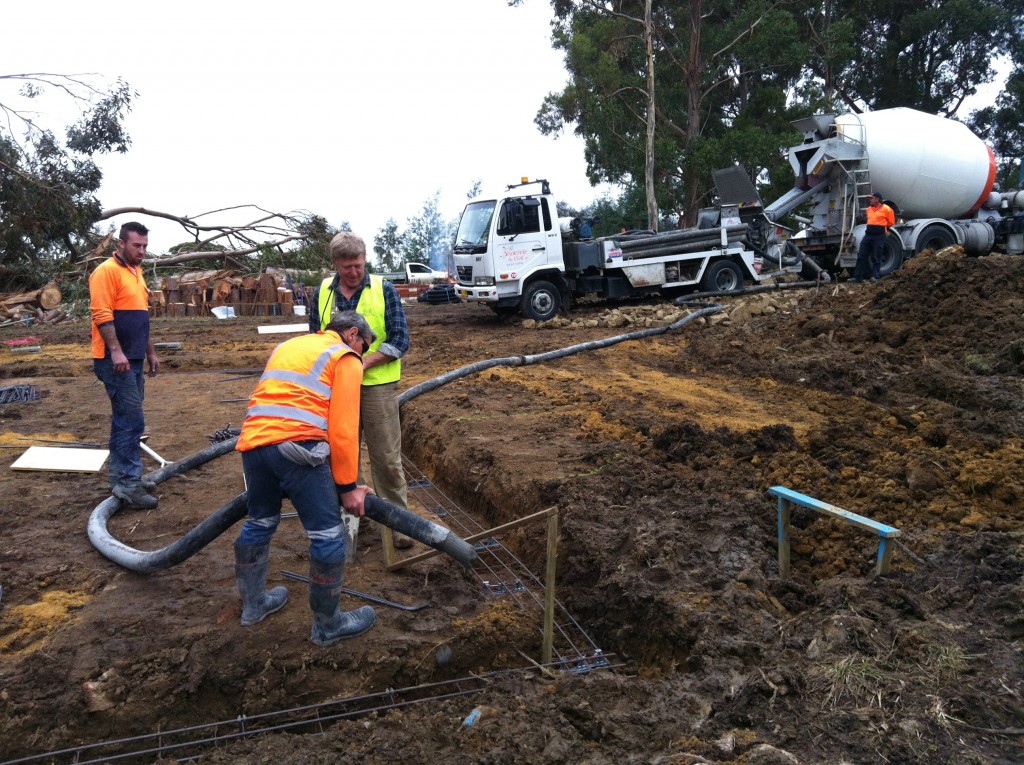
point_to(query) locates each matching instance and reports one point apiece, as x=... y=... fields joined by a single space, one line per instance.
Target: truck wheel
x=892 y=255
x=933 y=237
x=540 y=301
x=722 y=276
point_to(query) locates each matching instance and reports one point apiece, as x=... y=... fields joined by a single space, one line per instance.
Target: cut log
x=47 y=297
x=50 y=297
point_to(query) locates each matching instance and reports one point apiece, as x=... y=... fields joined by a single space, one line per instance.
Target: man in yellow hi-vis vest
x=352 y=288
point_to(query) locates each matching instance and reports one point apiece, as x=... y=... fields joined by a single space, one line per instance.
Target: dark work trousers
x=869 y=256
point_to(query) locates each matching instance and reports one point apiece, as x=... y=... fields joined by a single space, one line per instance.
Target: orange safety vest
x=309 y=391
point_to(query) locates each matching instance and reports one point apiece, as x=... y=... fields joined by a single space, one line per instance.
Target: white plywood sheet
x=272 y=329
x=61 y=459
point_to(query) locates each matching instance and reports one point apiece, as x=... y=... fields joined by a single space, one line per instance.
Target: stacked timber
x=198 y=292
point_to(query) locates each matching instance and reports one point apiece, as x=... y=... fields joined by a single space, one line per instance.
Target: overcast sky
x=357 y=111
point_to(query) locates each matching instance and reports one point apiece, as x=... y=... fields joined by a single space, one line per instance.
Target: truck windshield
x=474 y=226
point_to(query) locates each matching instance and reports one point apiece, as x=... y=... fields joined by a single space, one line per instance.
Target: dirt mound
x=901 y=401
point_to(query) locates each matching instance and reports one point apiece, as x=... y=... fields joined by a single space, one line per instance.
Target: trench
x=229 y=514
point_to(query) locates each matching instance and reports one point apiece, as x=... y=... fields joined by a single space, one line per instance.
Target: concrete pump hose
x=808 y=262
x=196 y=539
x=520 y=361
x=429 y=533
x=412 y=525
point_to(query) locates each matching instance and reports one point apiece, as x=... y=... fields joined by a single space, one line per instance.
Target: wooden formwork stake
x=549 y=589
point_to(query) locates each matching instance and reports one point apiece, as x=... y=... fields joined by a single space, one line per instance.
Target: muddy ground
x=902 y=401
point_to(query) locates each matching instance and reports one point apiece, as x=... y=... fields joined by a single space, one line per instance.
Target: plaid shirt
x=395 y=326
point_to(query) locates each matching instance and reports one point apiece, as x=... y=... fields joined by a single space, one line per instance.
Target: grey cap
x=343 y=320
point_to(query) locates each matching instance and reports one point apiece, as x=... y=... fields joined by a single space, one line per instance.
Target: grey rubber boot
x=251 y=562
x=330 y=623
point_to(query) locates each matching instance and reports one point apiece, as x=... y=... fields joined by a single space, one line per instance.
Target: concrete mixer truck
x=934 y=172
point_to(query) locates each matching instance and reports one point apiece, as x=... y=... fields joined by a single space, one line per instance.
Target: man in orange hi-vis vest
x=300 y=439
x=869 y=256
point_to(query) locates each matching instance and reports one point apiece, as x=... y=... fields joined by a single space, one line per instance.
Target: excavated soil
x=902 y=401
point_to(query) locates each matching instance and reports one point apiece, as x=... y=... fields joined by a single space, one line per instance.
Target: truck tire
x=892 y=255
x=722 y=276
x=933 y=237
x=541 y=301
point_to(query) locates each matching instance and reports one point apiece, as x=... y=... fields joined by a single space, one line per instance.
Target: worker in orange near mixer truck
x=869 y=256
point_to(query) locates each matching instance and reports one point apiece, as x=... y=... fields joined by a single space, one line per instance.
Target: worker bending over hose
x=300 y=440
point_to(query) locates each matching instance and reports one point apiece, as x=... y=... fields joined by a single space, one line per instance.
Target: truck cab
x=506 y=242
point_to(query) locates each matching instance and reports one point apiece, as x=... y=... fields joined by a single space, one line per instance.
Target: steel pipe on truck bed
x=682 y=248
x=642 y=242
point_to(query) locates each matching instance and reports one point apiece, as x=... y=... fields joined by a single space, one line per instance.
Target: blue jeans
x=126 y=391
x=269 y=478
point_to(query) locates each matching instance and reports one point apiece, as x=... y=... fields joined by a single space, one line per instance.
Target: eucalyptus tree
x=387 y=245
x=663 y=93
x=930 y=55
x=48 y=183
x=1002 y=124
x=428 y=236
x=729 y=78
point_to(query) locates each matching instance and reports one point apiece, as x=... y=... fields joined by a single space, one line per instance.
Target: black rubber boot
x=251 y=562
x=330 y=623
x=135 y=496
x=144 y=483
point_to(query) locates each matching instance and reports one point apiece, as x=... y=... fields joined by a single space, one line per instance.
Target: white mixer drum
x=930 y=166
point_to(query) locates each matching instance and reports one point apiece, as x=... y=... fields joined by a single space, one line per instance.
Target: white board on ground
x=271 y=329
x=61 y=459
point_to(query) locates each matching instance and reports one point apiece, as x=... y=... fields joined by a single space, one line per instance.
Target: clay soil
x=902 y=401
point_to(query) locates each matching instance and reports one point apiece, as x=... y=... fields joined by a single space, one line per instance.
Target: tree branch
x=188 y=257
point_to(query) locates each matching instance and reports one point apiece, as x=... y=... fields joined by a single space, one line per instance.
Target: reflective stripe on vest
x=310 y=381
x=288 y=413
